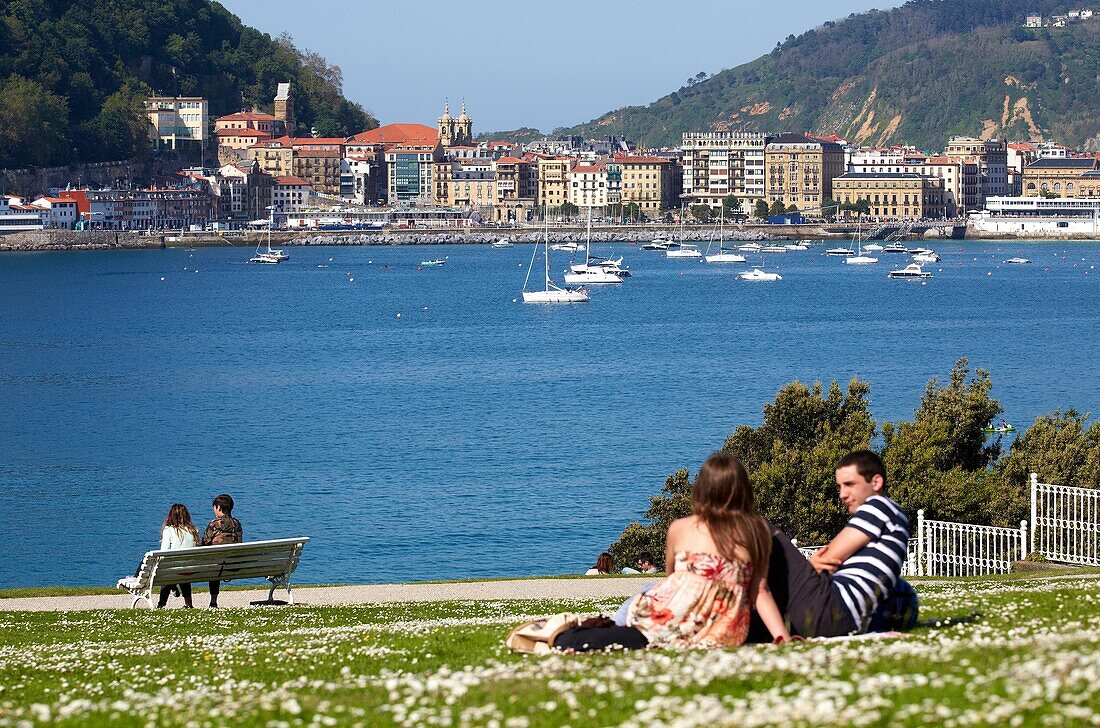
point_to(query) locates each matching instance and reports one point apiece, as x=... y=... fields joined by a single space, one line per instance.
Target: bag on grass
x=536 y=636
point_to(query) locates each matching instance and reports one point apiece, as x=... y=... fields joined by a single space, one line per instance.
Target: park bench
x=274 y=560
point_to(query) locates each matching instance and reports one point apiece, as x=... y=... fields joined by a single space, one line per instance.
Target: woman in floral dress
x=717 y=562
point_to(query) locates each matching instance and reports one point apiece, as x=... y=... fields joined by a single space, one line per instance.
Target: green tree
x=940 y=460
x=649 y=538
x=568 y=209
x=1060 y=448
x=703 y=213
x=761 y=209
x=731 y=205
x=33 y=124
x=777 y=208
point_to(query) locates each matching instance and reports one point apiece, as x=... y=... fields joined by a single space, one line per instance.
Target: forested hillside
x=916 y=74
x=73 y=74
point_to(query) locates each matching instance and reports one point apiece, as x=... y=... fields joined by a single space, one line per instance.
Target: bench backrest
x=277 y=557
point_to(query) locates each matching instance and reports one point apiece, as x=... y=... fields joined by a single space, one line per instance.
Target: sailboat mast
x=546 y=249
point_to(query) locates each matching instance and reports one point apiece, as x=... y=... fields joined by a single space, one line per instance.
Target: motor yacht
x=774 y=249
x=750 y=247
x=1018 y=261
x=895 y=248
x=758 y=275
x=567 y=247
x=930 y=257
x=657 y=243
x=434 y=263
x=592 y=277
x=502 y=243
x=920 y=251
x=838 y=252
x=797 y=246
x=912 y=271
x=725 y=256
x=873 y=248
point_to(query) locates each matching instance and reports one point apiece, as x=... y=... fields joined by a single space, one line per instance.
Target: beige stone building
x=961 y=181
x=465 y=183
x=516 y=189
x=893 y=195
x=177 y=120
x=647 y=182
x=275 y=156
x=992 y=158
x=553 y=182
x=799 y=170
x=1058 y=177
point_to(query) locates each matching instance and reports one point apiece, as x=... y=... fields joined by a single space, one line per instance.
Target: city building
x=242 y=191
x=961 y=181
x=1033 y=21
x=718 y=164
x=17 y=217
x=553 y=182
x=177 y=120
x=60 y=212
x=992 y=156
x=647 y=182
x=237 y=132
x=1053 y=177
x=1038 y=216
x=290 y=194
x=588 y=185
x=148 y=209
x=903 y=195
x=409 y=170
x=363 y=178
x=799 y=171
x=318 y=161
x=516 y=189
x=284 y=111
x=275 y=156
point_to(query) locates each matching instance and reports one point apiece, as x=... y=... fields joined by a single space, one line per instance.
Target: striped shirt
x=868 y=575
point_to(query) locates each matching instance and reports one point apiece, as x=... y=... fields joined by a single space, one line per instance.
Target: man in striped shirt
x=838 y=589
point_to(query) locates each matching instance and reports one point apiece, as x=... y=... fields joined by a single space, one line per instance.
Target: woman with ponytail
x=717 y=564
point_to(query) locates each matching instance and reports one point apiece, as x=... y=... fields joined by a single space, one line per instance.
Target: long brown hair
x=180 y=518
x=722 y=499
x=605 y=564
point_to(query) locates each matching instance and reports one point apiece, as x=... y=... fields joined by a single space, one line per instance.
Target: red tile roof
x=640 y=159
x=247 y=116
x=510 y=160
x=397 y=134
x=291 y=181
x=317 y=141
x=589 y=168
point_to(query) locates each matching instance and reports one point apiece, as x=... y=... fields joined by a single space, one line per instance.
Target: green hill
x=916 y=74
x=73 y=74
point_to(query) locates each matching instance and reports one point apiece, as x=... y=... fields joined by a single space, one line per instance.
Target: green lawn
x=1034 y=656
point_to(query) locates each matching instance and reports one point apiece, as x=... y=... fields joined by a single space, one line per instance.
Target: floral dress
x=703 y=603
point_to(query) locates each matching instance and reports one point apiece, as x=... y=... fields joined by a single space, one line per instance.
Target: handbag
x=536 y=636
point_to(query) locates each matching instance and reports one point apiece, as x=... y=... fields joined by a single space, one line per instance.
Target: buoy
x=423 y=308
x=989 y=273
x=514 y=300
x=399 y=314
x=162 y=278
x=351 y=280
x=369 y=262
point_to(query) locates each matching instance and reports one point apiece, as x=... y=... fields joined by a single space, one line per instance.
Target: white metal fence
x=1065 y=523
x=909 y=568
x=962 y=549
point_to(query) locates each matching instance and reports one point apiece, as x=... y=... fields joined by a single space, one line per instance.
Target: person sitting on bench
x=178 y=533
x=223 y=529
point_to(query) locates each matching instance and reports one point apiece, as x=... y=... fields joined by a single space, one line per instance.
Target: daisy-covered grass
x=1032 y=657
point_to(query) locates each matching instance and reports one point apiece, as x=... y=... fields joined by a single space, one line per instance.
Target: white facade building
x=588 y=185
x=719 y=164
x=1038 y=216
x=177 y=119
x=60 y=212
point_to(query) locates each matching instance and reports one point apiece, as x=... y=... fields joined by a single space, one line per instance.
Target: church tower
x=284 y=109
x=446 y=127
x=464 y=128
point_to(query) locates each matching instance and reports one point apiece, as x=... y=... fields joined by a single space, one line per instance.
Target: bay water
x=423 y=423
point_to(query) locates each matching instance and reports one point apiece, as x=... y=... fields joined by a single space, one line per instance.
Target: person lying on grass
x=717 y=564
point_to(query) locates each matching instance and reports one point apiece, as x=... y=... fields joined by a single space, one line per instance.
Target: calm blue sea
x=422 y=424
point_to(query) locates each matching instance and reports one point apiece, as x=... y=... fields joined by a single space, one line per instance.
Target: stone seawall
x=529 y=236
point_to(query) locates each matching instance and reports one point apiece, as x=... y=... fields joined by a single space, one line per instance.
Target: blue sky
x=541 y=64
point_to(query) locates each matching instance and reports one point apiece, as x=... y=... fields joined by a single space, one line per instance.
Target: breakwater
x=616 y=235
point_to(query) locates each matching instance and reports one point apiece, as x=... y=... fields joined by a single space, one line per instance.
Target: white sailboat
x=723 y=255
x=859 y=258
x=550 y=292
x=269 y=256
x=682 y=249
x=590 y=274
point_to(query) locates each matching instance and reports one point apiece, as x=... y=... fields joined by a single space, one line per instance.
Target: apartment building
x=588 y=185
x=903 y=195
x=720 y=164
x=290 y=194
x=177 y=120
x=961 y=181
x=516 y=189
x=553 y=182
x=799 y=170
x=318 y=161
x=992 y=156
x=409 y=169
x=647 y=182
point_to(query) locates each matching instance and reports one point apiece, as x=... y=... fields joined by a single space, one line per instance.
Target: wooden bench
x=274 y=560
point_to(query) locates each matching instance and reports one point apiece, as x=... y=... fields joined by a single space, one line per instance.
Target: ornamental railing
x=962 y=549
x=909 y=568
x=1065 y=523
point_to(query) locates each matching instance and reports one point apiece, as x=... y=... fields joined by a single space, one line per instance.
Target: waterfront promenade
x=332 y=595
